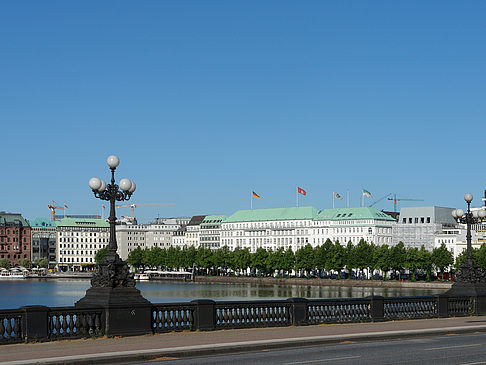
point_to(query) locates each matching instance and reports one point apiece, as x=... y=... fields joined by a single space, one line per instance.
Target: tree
x=381 y=257
x=412 y=261
x=336 y=258
x=288 y=263
x=425 y=261
x=135 y=258
x=25 y=263
x=204 y=258
x=442 y=258
x=259 y=260
x=5 y=263
x=42 y=262
x=100 y=255
x=397 y=257
x=304 y=258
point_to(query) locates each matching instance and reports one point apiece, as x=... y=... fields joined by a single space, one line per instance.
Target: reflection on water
x=64 y=292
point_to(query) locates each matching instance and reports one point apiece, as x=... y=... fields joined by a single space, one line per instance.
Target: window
x=428 y=219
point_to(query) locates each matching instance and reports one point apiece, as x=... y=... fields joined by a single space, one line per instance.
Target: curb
x=235 y=347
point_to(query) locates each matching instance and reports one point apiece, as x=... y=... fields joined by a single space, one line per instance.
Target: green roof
x=83 y=222
x=272 y=214
x=12 y=219
x=42 y=222
x=353 y=213
x=210 y=220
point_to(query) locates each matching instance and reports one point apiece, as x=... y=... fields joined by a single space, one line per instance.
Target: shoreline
x=345 y=283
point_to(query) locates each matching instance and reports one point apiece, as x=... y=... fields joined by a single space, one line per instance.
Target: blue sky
x=205 y=101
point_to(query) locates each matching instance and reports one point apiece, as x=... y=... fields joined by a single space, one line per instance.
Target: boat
x=12 y=274
x=170 y=275
x=141 y=276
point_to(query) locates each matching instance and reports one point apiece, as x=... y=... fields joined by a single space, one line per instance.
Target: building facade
x=15 y=238
x=78 y=241
x=192 y=230
x=296 y=227
x=44 y=240
x=419 y=226
x=210 y=231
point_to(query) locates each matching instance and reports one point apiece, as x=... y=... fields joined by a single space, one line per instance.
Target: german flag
x=255 y=195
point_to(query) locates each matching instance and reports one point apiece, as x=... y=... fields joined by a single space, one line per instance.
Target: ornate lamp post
x=470 y=278
x=113 y=286
x=112 y=272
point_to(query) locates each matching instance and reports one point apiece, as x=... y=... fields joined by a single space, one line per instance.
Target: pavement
x=186 y=344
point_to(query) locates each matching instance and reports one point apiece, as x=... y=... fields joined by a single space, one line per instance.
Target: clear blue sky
x=204 y=101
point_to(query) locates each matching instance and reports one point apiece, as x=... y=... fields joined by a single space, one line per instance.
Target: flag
x=301 y=191
x=367 y=194
x=336 y=196
x=255 y=195
x=103 y=206
x=65 y=206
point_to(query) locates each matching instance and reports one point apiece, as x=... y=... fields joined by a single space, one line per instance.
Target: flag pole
x=347 y=198
x=333 y=200
x=251 y=200
x=297 y=197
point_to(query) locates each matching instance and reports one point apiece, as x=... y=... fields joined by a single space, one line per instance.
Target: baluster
x=89 y=317
x=2 y=328
x=157 y=319
x=184 y=318
x=71 y=324
x=97 y=324
x=57 y=324
x=9 y=327
x=226 y=316
x=64 y=324
x=17 y=327
x=77 y=324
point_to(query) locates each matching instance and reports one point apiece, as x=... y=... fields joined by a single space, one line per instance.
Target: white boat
x=141 y=277
x=14 y=274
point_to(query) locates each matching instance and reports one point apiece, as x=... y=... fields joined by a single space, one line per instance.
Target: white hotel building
x=296 y=227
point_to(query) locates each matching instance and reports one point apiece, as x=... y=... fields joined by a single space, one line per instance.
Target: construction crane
x=53 y=206
x=395 y=200
x=132 y=206
x=379 y=200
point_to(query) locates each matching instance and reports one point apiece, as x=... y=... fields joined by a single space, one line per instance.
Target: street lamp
x=469 y=279
x=127 y=312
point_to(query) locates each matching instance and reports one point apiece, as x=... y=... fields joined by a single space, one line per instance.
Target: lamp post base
x=126 y=311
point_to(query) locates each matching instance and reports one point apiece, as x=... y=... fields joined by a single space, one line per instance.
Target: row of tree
x=42 y=263
x=306 y=260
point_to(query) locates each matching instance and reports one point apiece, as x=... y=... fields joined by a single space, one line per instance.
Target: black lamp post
x=112 y=285
x=469 y=278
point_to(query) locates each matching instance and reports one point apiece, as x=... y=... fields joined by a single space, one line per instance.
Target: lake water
x=65 y=292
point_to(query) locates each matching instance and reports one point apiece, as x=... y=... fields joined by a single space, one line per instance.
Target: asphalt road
x=464 y=349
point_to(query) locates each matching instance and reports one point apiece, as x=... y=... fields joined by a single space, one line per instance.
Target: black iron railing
x=38 y=323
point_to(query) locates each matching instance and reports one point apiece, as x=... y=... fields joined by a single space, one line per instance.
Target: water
x=65 y=292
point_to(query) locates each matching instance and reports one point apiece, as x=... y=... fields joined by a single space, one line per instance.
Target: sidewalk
x=115 y=350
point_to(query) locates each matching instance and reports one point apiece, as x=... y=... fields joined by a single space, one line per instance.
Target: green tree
x=136 y=258
x=425 y=261
x=304 y=258
x=381 y=257
x=42 y=262
x=259 y=260
x=5 y=263
x=288 y=263
x=336 y=258
x=442 y=258
x=204 y=258
x=412 y=261
x=25 y=263
x=397 y=258
x=100 y=255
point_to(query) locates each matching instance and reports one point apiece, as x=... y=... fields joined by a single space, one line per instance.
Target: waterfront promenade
x=187 y=344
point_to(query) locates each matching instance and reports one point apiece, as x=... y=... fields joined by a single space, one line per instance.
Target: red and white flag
x=301 y=191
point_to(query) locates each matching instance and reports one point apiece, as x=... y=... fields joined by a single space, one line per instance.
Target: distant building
x=15 y=239
x=192 y=230
x=296 y=227
x=161 y=234
x=210 y=231
x=79 y=239
x=44 y=240
x=419 y=226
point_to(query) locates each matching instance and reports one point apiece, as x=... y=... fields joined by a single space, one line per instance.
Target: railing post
x=204 y=315
x=35 y=323
x=298 y=311
x=442 y=305
x=377 y=308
